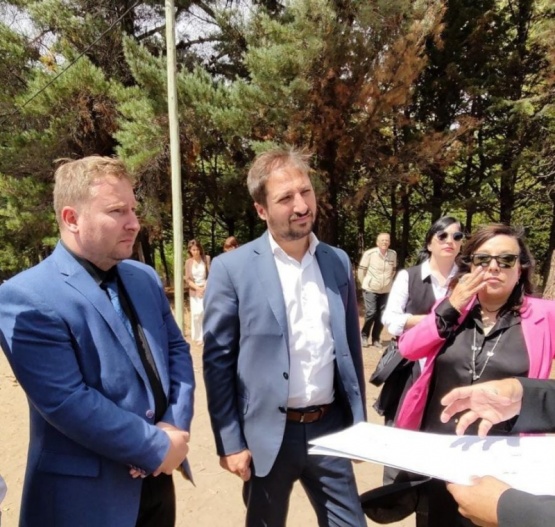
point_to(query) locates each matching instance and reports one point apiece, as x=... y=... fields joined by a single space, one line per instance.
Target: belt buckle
x=317 y=413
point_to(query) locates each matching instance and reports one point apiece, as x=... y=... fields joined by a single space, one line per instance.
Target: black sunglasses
x=442 y=236
x=504 y=261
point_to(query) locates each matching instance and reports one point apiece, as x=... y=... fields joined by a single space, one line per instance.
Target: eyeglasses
x=442 y=236
x=504 y=261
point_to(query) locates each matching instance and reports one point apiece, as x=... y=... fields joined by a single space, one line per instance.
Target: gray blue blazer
x=246 y=349
x=91 y=406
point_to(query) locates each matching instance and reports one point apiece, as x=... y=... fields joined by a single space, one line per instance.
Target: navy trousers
x=328 y=481
x=157 y=508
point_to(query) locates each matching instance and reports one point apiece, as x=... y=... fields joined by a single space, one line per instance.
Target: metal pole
x=175 y=154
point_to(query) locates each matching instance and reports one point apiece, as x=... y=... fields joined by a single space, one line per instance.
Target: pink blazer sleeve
x=538 y=319
x=423 y=340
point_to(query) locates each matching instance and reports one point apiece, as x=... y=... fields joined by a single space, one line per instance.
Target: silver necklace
x=489 y=355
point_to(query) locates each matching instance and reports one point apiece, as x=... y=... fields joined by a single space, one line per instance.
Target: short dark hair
x=438 y=226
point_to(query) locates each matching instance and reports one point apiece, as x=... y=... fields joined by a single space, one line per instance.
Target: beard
x=297 y=232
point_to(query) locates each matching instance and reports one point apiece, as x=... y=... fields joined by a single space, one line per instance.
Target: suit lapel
x=335 y=302
x=77 y=277
x=148 y=320
x=267 y=272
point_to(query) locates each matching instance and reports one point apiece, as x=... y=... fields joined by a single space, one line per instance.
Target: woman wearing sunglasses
x=490 y=327
x=412 y=296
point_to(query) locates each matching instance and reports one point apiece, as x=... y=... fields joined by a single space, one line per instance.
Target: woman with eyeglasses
x=488 y=328
x=412 y=296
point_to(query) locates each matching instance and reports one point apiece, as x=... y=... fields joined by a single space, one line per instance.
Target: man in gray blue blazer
x=91 y=338
x=490 y=502
x=282 y=353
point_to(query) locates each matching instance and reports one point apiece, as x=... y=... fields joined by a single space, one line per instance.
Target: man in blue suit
x=282 y=353
x=91 y=338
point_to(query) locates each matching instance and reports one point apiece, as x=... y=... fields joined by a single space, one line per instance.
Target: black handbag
x=390 y=361
x=392 y=503
x=397 y=375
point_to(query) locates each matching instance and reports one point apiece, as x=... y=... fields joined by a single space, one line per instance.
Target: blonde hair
x=75 y=178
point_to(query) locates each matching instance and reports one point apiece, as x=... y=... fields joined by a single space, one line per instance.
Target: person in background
x=414 y=292
x=375 y=274
x=490 y=502
x=230 y=244
x=91 y=339
x=489 y=327
x=282 y=354
x=197 y=267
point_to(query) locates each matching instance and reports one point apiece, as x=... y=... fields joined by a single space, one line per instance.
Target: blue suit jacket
x=91 y=406
x=246 y=349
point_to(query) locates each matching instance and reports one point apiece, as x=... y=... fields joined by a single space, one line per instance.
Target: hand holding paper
x=521 y=462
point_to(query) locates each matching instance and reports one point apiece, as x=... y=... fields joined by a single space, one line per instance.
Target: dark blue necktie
x=113 y=293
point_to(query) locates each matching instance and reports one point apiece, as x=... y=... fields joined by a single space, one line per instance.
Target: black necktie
x=124 y=311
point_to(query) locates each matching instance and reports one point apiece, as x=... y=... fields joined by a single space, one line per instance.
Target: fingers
x=451 y=409
x=484 y=427
x=456 y=401
x=245 y=474
x=238 y=464
x=136 y=472
x=465 y=421
x=469 y=285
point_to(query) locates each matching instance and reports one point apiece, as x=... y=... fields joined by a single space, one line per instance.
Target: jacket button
x=285 y=375
x=150 y=414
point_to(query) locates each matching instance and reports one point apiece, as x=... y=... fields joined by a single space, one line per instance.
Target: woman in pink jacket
x=490 y=327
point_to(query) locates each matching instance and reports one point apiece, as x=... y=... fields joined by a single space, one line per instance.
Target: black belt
x=307 y=415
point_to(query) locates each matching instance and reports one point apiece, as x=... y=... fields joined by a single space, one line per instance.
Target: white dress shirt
x=394 y=316
x=311 y=346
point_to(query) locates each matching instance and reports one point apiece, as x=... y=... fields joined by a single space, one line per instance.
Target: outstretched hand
x=492 y=402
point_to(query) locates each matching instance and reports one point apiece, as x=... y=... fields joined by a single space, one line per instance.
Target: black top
x=499 y=354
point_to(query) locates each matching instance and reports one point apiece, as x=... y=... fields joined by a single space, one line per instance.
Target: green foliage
x=413 y=109
x=27 y=227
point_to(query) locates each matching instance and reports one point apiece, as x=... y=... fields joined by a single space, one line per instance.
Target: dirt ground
x=216 y=499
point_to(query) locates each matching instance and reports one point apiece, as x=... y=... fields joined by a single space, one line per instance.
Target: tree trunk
x=403 y=250
x=144 y=249
x=361 y=227
x=549 y=289
x=164 y=263
x=547 y=270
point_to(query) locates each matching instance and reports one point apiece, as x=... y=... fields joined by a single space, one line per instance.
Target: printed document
x=526 y=463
